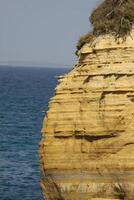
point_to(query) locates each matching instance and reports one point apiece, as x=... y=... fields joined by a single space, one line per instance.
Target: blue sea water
x=24 y=96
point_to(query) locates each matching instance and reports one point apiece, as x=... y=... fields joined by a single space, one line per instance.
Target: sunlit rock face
x=87 y=146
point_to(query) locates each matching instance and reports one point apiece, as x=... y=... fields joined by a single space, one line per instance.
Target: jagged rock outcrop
x=87 y=146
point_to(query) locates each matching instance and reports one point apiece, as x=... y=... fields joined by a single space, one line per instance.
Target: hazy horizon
x=42 y=32
x=44 y=65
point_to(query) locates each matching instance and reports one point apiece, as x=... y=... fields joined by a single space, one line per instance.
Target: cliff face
x=87 y=146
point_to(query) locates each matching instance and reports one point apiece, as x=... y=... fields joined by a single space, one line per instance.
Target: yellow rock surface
x=87 y=146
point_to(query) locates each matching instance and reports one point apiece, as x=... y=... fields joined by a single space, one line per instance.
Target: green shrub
x=111 y=16
x=84 y=39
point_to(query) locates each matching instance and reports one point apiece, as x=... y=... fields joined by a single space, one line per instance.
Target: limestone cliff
x=87 y=146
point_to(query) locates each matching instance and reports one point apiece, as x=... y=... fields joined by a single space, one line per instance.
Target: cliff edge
x=87 y=146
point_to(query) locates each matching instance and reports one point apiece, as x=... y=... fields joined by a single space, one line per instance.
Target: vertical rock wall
x=87 y=146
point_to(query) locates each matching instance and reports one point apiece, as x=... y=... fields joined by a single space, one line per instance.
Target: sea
x=24 y=96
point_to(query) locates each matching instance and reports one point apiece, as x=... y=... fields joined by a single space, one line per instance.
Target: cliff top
x=115 y=17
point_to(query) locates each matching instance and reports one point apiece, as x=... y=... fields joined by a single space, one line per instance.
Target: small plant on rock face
x=121 y=191
x=121 y=188
x=114 y=17
x=85 y=39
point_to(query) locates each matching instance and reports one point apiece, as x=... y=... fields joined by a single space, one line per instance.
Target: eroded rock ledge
x=87 y=146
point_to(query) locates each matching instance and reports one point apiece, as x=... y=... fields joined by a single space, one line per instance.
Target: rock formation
x=87 y=146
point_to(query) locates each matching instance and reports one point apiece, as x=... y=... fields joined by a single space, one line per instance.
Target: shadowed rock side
x=87 y=146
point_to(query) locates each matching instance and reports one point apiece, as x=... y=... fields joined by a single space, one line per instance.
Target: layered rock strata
x=87 y=146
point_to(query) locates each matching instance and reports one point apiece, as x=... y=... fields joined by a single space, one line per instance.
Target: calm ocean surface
x=24 y=96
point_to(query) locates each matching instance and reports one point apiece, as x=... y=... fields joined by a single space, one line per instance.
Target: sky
x=41 y=32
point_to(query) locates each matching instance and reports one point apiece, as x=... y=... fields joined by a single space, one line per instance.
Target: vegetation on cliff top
x=115 y=17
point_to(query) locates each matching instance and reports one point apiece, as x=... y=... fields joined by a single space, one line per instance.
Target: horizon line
x=28 y=64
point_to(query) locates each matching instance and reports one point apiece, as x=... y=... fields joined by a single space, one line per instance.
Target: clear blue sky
x=42 y=31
